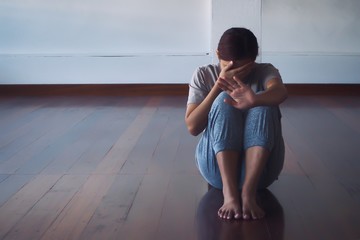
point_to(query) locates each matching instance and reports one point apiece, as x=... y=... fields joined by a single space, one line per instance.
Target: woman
x=234 y=104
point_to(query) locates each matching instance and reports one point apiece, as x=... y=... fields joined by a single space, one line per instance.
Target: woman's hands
x=231 y=81
x=230 y=70
x=242 y=96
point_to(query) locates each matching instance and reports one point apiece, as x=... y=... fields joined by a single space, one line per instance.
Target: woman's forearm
x=197 y=116
x=272 y=96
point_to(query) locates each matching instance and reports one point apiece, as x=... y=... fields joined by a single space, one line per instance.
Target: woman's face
x=236 y=64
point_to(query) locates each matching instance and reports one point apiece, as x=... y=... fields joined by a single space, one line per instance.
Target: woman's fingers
x=239 y=82
x=227 y=67
x=244 y=69
x=225 y=85
x=230 y=85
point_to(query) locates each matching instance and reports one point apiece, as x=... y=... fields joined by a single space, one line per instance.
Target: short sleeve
x=270 y=72
x=262 y=73
x=202 y=81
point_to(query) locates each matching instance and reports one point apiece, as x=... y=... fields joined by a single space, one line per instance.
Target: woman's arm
x=274 y=94
x=196 y=116
x=243 y=96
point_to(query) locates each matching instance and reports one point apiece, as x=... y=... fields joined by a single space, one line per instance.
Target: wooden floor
x=123 y=168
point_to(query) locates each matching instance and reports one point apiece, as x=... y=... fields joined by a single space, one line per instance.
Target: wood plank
x=179 y=209
x=124 y=113
x=185 y=158
x=295 y=225
x=317 y=127
x=17 y=206
x=74 y=217
x=68 y=120
x=3 y=177
x=291 y=163
x=166 y=150
x=143 y=218
x=40 y=160
x=116 y=157
x=317 y=160
x=16 y=108
x=113 y=210
x=79 y=211
x=154 y=89
x=346 y=111
x=140 y=157
x=84 y=141
x=318 y=222
x=30 y=132
x=12 y=184
x=44 y=212
x=275 y=217
x=144 y=187
x=93 y=89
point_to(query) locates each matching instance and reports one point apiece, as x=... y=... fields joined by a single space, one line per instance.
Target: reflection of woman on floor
x=235 y=105
x=209 y=226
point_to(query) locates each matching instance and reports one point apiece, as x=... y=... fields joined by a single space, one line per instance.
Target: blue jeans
x=232 y=129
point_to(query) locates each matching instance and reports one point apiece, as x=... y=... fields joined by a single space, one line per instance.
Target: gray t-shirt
x=205 y=77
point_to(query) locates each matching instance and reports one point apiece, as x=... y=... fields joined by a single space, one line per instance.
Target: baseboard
x=156 y=89
x=94 y=89
x=324 y=89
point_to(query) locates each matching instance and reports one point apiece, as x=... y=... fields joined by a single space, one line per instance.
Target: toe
x=246 y=215
x=229 y=214
x=237 y=214
x=223 y=214
x=220 y=213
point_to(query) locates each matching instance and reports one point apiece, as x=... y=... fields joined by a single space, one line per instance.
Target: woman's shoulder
x=209 y=70
x=265 y=67
x=206 y=75
x=264 y=72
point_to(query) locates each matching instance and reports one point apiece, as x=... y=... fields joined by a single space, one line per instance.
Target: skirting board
x=156 y=89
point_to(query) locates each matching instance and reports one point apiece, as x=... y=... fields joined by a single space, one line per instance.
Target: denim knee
x=219 y=103
x=260 y=126
x=225 y=125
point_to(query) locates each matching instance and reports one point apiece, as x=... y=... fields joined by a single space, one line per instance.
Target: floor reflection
x=210 y=226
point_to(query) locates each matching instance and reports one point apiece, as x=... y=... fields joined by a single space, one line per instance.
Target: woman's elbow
x=193 y=131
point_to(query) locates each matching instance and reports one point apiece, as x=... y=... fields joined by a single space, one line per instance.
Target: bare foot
x=250 y=208
x=231 y=209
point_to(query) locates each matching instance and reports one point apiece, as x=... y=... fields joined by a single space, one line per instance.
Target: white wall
x=312 y=41
x=234 y=13
x=46 y=42
x=103 y=41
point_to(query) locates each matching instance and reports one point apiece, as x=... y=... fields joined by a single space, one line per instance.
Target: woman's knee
x=260 y=127
x=219 y=102
x=267 y=111
x=221 y=109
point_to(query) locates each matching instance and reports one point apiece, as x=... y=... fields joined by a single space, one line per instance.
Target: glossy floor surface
x=123 y=168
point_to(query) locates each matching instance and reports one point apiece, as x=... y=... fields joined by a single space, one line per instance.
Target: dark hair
x=238 y=44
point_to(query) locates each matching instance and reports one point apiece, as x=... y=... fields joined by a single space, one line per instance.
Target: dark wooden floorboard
x=3 y=177
x=113 y=210
x=98 y=167
x=40 y=217
x=12 y=184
